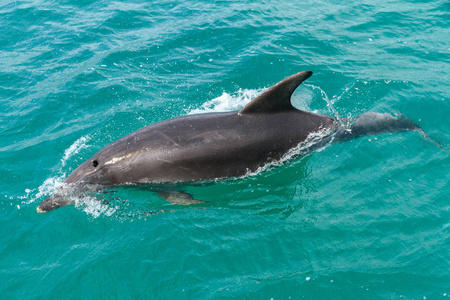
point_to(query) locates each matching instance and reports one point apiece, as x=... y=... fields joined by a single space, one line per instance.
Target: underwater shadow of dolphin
x=215 y=146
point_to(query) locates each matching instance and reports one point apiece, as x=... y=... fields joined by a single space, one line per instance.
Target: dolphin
x=215 y=146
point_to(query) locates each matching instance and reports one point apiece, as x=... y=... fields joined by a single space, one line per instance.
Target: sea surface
x=363 y=219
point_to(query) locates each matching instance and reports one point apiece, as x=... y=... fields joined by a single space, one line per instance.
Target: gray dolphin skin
x=214 y=146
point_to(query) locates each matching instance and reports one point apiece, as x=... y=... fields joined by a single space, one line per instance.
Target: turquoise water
x=368 y=218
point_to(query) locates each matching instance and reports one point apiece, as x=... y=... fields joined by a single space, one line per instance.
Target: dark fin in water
x=178 y=197
x=372 y=123
x=277 y=97
x=52 y=203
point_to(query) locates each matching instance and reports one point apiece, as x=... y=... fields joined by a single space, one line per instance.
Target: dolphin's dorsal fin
x=277 y=97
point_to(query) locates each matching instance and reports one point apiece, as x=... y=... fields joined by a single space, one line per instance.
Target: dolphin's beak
x=39 y=210
x=52 y=203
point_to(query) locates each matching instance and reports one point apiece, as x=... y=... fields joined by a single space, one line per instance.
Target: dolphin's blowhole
x=95 y=163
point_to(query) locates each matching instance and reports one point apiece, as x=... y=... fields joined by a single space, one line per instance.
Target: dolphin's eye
x=95 y=163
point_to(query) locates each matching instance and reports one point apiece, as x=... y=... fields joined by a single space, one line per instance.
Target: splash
x=227 y=102
x=91 y=205
x=333 y=100
x=51 y=184
x=74 y=149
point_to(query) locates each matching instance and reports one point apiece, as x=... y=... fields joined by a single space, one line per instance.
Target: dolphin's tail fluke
x=372 y=123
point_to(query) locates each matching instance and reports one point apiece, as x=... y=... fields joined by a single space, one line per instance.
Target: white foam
x=50 y=185
x=227 y=102
x=93 y=206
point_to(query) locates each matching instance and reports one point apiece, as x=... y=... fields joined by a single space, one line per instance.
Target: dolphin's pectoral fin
x=277 y=97
x=178 y=197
